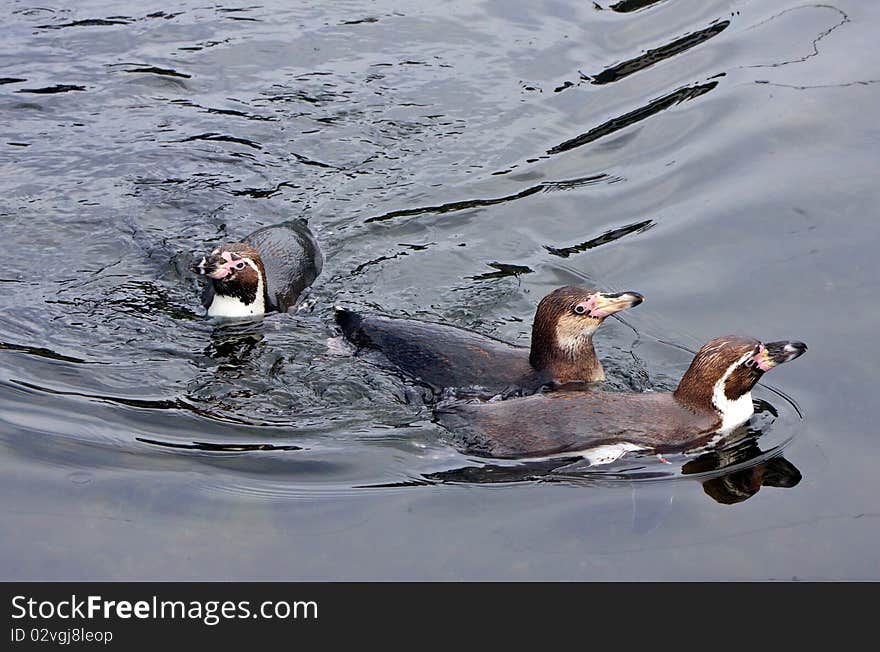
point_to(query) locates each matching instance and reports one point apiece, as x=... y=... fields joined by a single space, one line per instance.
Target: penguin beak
x=607 y=304
x=207 y=265
x=776 y=353
x=200 y=266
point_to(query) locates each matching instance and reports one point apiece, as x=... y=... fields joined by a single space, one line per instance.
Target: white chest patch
x=735 y=412
x=226 y=306
x=571 y=342
x=604 y=454
x=609 y=453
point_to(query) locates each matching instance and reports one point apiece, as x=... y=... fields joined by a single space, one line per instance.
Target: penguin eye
x=239 y=266
x=580 y=309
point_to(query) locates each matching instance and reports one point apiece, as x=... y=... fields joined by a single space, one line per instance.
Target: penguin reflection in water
x=743 y=483
x=269 y=270
x=723 y=486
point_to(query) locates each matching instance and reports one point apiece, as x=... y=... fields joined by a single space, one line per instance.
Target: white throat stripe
x=226 y=306
x=735 y=412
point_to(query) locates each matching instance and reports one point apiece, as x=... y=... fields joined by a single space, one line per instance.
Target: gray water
x=457 y=161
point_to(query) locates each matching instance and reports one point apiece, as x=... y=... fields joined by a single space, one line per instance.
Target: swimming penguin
x=713 y=398
x=443 y=356
x=268 y=270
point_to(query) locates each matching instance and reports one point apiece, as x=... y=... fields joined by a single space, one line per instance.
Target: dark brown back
x=291 y=260
x=560 y=422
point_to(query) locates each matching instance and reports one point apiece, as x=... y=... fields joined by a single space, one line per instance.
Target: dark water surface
x=457 y=161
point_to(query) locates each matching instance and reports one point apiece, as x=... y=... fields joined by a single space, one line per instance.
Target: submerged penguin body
x=442 y=356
